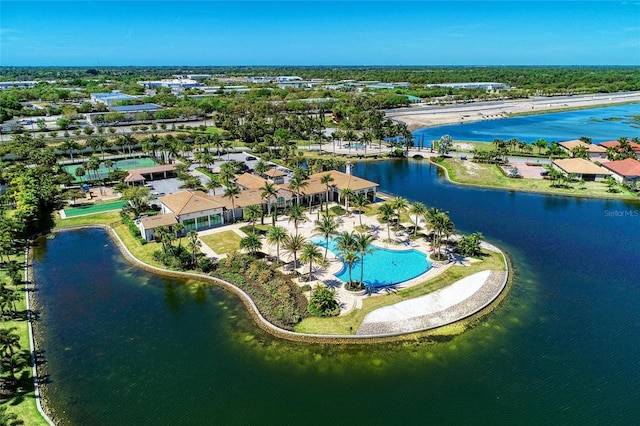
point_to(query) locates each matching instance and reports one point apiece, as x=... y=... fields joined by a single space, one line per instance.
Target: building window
x=215 y=219
x=189 y=225
x=280 y=201
x=202 y=222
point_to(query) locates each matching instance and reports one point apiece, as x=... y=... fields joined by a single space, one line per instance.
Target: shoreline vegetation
x=490 y=176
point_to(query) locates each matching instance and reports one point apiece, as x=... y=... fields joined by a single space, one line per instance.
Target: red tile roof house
x=624 y=171
x=595 y=152
x=614 y=144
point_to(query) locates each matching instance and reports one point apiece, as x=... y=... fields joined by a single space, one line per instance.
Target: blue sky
x=91 y=33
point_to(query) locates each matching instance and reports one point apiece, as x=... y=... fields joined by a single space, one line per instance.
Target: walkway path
x=452 y=303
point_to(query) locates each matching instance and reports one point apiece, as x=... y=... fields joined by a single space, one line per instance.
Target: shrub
x=338 y=210
x=323 y=302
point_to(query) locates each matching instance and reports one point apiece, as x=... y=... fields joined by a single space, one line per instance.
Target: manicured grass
x=141 y=252
x=106 y=218
x=23 y=404
x=222 y=242
x=348 y=324
x=489 y=175
x=94 y=208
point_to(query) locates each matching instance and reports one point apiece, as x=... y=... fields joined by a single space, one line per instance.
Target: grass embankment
x=222 y=242
x=348 y=324
x=23 y=402
x=490 y=175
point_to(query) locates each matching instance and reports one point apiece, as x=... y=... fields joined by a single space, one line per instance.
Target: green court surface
x=103 y=171
x=94 y=208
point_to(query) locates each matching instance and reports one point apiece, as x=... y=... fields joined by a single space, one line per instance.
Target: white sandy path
x=437 y=301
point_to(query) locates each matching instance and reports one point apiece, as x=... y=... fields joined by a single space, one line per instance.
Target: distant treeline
x=547 y=80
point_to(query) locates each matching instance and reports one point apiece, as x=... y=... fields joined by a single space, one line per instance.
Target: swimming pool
x=355 y=145
x=383 y=267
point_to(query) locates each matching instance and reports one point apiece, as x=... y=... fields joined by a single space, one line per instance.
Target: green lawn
x=348 y=324
x=94 y=208
x=490 y=175
x=23 y=404
x=222 y=242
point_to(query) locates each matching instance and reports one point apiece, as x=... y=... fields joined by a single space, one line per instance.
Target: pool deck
x=447 y=305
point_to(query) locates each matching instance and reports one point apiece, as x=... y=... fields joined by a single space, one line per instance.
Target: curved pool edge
x=271 y=328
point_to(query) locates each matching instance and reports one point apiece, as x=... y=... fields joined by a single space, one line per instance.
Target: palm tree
x=363 y=245
x=276 y=235
x=442 y=227
x=269 y=191
x=347 y=194
x=178 y=229
x=194 y=246
x=386 y=212
x=230 y=192
x=400 y=204
x=293 y=244
x=9 y=347
x=326 y=180
x=251 y=243
x=310 y=252
x=252 y=213
x=296 y=215
x=359 y=202
x=350 y=257
x=297 y=184
x=70 y=146
x=417 y=209
x=213 y=183
x=327 y=227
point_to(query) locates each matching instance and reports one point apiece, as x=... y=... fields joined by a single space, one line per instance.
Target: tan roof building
x=624 y=171
x=582 y=168
x=316 y=190
x=275 y=175
x=594 y=151
x=185 y=202
x=147 y=225
x=250 y=181
x=163 y=171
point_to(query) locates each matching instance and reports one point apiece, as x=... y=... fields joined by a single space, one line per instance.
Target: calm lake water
x=124 y=347
x=600 y=124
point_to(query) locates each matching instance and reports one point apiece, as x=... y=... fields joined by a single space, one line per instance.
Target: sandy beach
x=422 y=115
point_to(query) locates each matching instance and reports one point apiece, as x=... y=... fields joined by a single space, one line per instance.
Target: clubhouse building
x=197 y=210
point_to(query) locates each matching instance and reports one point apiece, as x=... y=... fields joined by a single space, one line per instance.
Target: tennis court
x=103 y=171
x=94 y=208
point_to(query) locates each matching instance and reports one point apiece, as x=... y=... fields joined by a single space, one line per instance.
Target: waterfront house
x=595 y=152
x=581 y=168
x=624 y=171
x=615 y=146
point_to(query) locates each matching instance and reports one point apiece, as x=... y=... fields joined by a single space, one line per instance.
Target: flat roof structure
x=136 y=108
